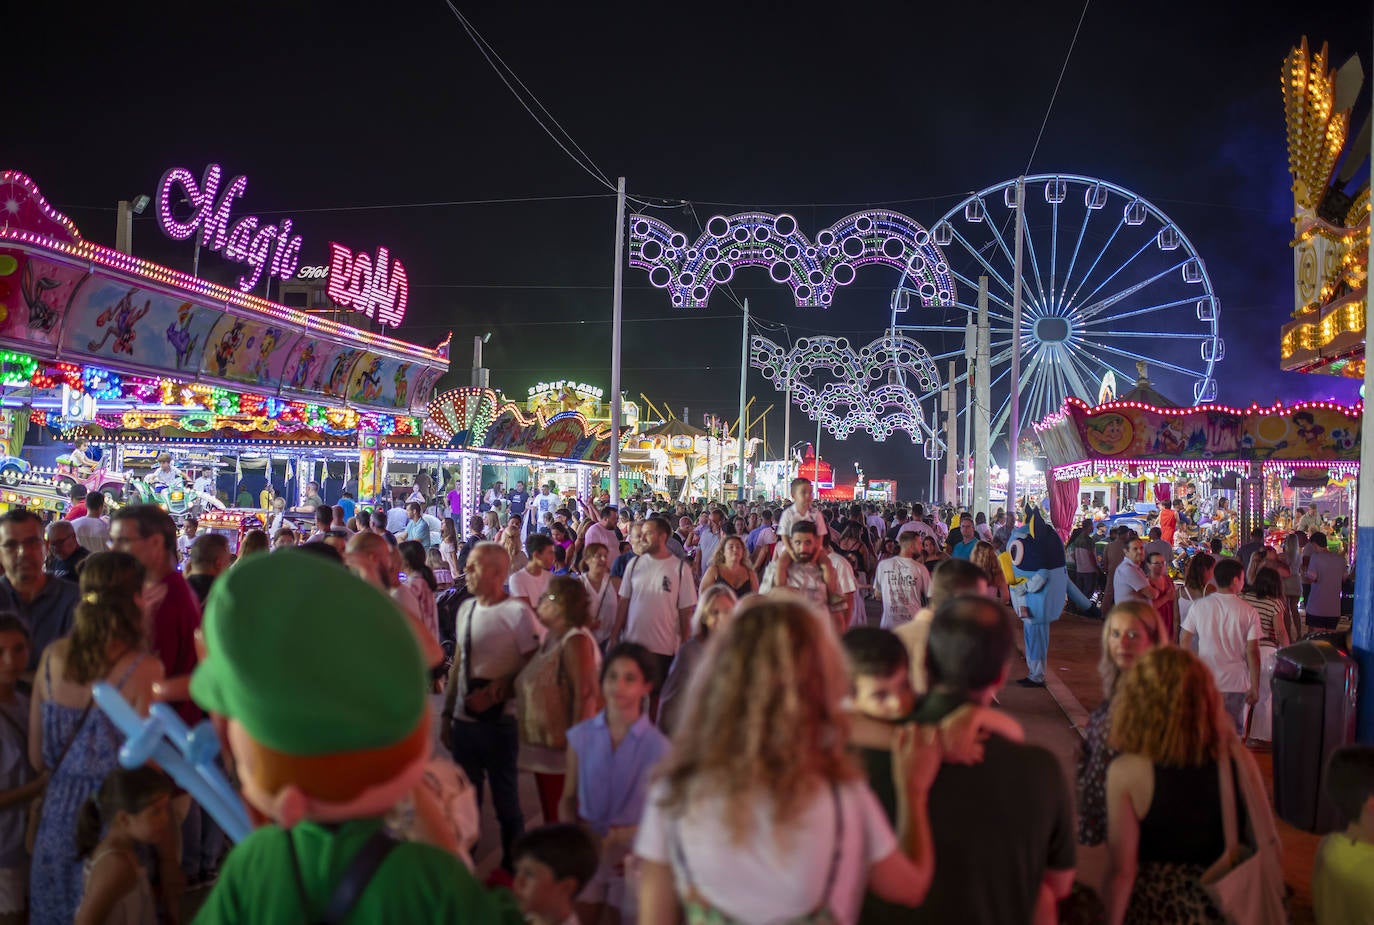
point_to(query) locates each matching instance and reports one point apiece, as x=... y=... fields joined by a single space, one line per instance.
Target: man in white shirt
x=529 y=583
x=917 y=523
x=657 y=597
x=92 y=531
x=205 y=482
x=1129 y=582
x=1228 y=632
x=901 y=583
x=875 y=521
x=541 y=504
x=496 y=635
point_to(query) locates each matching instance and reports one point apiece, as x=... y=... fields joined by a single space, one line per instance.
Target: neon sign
x=557 y=388
x=248 y=241
x=315 y=272
x=377 y=287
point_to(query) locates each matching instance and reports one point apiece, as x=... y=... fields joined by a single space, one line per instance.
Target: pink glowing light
x=376 y=287
x=246 y=241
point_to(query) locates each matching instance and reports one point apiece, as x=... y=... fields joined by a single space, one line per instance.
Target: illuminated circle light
x=851 y=403
x=774 y=242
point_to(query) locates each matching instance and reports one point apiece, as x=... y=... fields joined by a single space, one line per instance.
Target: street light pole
x=743 y=387
x=1014 y=431
x=616 y=413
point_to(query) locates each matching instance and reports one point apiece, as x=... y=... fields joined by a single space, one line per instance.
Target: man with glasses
x=46 y=604
x=64 y=552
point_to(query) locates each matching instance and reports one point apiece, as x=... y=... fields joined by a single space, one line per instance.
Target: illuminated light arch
x=863 y=395
x=813 y=269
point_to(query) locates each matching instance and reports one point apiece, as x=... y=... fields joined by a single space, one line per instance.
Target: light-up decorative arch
x=869 y=390
x=814 y=269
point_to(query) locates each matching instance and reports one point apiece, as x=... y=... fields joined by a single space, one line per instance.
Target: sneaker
x=1027 y=682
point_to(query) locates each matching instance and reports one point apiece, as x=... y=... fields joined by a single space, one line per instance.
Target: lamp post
x=481 y=376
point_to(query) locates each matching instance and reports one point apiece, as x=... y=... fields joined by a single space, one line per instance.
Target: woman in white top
x=596 y=578
x=448 y=547
x=759 y=813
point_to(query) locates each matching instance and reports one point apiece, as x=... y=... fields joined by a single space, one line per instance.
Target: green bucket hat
x=309 y=658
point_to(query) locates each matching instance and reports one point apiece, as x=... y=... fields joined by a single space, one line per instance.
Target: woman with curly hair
x=760 y=812
x=984 y=555
x=1164 y=796
x=730 y=567
x=75 y=744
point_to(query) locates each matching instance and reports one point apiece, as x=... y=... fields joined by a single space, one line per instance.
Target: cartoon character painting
x=304 y=364
x=229 y=345
x=370 y=381
x=1169 y=438
x=1109 y=434
x=338 y=376
x=1308 y=429
x=42 y=316
x=270 y=338
x=180 y=337
x=119 y=319
x=402 y=384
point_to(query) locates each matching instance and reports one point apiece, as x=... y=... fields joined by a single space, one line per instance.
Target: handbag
x=35 y=816
x=1246 y=882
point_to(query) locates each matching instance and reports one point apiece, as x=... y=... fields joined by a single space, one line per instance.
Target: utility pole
x=982 y=397
x=1014 y=430
x=970 y=357
x=743 y=386
x=616 y=413
x=951 y=438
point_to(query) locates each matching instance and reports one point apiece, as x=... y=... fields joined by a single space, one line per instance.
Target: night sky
x=347 y=117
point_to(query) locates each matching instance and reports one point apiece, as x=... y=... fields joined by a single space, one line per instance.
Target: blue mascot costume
x=1039 y=585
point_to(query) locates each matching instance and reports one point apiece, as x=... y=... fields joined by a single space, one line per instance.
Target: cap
x=310 y=659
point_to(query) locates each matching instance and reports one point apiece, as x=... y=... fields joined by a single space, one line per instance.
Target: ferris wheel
x=1108 y=282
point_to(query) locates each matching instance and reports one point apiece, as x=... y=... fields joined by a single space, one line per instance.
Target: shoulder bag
x=1246 y=882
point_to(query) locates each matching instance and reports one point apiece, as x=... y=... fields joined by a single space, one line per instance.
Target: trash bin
x=1313 y=689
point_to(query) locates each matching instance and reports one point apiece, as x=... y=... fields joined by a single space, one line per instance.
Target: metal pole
x=743 y=385
x=1362 y=622
x=982 y=398
x=616 y=413
x=1014 y=431
x=787 y=433
x=950 y=392
x=816 y=475
x=970 y=356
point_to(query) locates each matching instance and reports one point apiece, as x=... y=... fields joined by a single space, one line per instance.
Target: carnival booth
x=140 y=359
x=1265 y=458
x=473 y=428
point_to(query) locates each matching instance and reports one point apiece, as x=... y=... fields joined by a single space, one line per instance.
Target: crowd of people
x=715 y=727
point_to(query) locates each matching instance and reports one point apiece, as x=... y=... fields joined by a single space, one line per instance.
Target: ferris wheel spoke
x=1163 y=306
x=1153 y=361
x=1027 y=296
x=1073 y=258
x=1092 y=358
x=1071 y=375
x=1035 y=268
x=1155 y=335
x=973 y=285
x=1117 y=271
x=978 y=255
x=1020 y=386
x=1095 y=309
x=1096 y=260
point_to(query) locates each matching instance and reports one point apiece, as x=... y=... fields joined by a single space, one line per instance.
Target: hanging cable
x=1048 y=109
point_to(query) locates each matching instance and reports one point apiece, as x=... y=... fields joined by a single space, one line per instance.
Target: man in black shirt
x=1003 y=828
